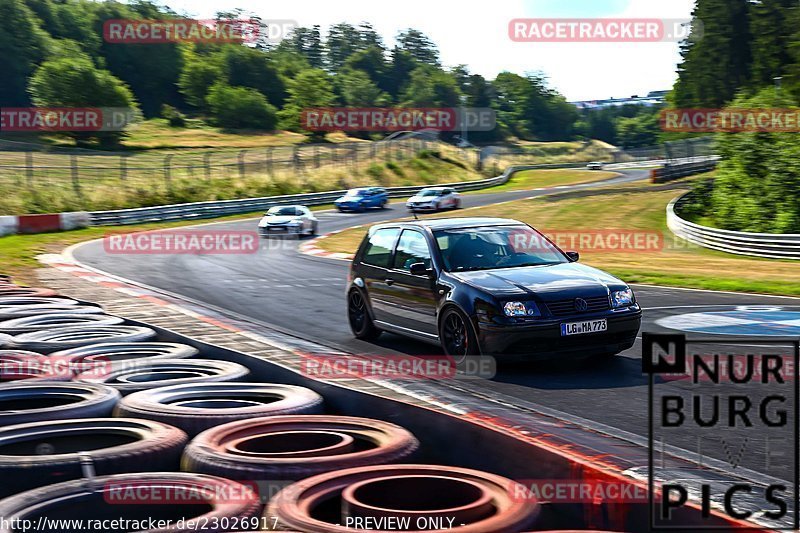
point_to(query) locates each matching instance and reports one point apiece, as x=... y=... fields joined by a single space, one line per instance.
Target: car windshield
x=430 y=193
x=356 y=192
x=282 y=211
x=489 y=247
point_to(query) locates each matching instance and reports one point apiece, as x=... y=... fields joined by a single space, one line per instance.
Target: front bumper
x=349 y=207
x=279 y=231
x=543 y=340
x=424 y=207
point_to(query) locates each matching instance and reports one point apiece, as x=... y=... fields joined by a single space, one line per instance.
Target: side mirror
x=573 y=256
x=420 y=269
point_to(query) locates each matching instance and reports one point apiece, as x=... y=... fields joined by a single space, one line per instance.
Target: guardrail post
x=76 y=185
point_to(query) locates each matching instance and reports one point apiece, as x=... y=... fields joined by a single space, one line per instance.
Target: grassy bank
x=630 y=209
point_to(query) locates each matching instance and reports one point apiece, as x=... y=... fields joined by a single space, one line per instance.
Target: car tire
x=163 y=373
x=456 y=335
x=301 y=506
x=42 y=453
x=52 y=321
x=314 y=228
x=457 y=205
x=33 y=401
x=358 y=317
x=182 y=405
x=47 y=341
x=224 y=504
x=302 y=446
x=116 y=354
x=21 y=365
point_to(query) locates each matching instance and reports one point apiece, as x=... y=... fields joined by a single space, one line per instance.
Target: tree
x=358 y=90
x=402 y=65
x=638 y=131
x=372 y=62
x=421 y=48
x=241 y=108
x=23 y=45
x=431 y=87
x=76 y=82
x=199 y=74
x=771 y=29
x=716 y=65
x=308 y=43
x=250 y=67
x=162 y=63
x=757 y=185
x=311 y=88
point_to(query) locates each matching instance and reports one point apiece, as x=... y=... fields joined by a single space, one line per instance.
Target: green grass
x=534 y=179
x=632 y=207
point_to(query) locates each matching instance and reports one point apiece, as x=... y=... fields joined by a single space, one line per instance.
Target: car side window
x=412 y=248
x=378 y=251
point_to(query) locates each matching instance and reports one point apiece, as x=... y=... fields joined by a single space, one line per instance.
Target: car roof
x=434 y=188
x=451 y=223
x=287 y=205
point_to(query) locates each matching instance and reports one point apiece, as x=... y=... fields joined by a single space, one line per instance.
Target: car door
x=376 y=261
x=412 y=299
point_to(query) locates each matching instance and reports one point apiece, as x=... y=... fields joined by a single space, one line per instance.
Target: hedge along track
x=150 y=375
x=41 y=453
x=296 y=447
x=197 y=407
x=141 y=497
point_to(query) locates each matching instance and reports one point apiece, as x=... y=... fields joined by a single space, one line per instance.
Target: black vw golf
x=486 y=286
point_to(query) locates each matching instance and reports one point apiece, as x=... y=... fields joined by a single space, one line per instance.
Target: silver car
x=294 y=220
x=434 y=199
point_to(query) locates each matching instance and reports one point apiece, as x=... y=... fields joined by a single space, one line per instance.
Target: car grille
x=567 y=307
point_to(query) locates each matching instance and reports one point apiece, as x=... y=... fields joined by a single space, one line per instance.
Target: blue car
x=362 y=198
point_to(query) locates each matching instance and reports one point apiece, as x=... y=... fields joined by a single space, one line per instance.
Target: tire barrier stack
x=102 y=419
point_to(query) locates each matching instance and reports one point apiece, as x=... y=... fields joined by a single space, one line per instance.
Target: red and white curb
x=13 y=224
x=311 y=248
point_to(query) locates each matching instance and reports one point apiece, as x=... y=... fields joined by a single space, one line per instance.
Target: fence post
x=29 y=168
x=123 y=168
x=73 y=163
x=167 y=171
x=296 y=162
x=316 y=156
x=242 y=171
x=207 y=165
x=269 y=160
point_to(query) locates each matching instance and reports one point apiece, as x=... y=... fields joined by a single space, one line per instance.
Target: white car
x=433 y=199
x=288 y=220
x=595 y=165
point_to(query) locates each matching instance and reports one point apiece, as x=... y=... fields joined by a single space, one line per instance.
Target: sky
x=475 y=33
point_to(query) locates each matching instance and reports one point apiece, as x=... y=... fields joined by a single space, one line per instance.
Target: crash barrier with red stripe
x=250 y=435
x=13 y=224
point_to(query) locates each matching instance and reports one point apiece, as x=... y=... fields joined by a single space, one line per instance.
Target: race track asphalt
x=304 y=295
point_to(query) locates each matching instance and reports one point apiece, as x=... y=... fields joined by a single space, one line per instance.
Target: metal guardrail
x=211 y=209
x=671 y=172
x=767 y=245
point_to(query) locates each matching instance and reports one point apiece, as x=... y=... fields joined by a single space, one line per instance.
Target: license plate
x=587 y=326
x=276 y=229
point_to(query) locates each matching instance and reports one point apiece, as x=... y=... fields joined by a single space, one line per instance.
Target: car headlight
x=622 y=298
x=520 y=309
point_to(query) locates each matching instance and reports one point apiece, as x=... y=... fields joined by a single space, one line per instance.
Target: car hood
x=422 y=199
x=549 y=282
x=277 y=219
x=350 y=199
